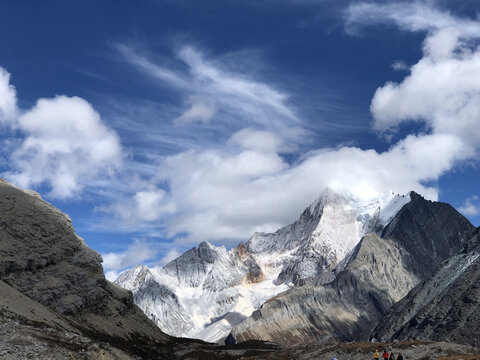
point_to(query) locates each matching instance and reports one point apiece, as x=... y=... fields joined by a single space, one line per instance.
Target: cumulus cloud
x=62 y=142
x=223 y=200
x=138 y=252
x=471 y=206
x=228 y=194
x=8 y=98
x=150 y=204
x=249 y=138
x=65 y=145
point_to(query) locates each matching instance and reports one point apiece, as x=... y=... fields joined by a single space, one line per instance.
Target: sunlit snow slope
x=209 y=289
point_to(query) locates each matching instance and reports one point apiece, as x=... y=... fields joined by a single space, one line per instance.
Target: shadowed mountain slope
x=56 y=303
x=445 y=307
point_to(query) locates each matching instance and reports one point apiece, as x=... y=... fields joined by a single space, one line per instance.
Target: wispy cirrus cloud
x=223 y=93
x=408 y=16
x=245 y=183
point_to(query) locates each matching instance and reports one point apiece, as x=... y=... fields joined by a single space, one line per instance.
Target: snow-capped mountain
x=208 y=290
x=375 y=275
x=306 y=251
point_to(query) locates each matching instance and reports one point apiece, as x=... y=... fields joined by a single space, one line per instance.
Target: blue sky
x=159 y=124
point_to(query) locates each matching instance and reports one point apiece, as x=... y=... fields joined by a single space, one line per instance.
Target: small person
x=376 y=355
x=385 y=355
x=334 y=358
x=400 y=357
x=392 y=357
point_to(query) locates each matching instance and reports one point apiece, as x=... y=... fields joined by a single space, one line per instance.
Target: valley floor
x=411 y=350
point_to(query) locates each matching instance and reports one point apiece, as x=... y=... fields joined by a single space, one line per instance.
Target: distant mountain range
x=331 y=274
x=305 y=284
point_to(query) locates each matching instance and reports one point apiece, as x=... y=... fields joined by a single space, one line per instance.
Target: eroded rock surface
x=55 y=302
x=367 y=282
x=445 y=307
x=374 y=279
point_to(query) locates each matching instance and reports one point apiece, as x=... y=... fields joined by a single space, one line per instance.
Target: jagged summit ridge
x=210 y=289
x=367 y=282
x=324 y=234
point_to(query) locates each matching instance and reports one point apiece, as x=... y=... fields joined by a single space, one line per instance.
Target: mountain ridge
x=241 y=279
x=416 y=224
x=55 y=302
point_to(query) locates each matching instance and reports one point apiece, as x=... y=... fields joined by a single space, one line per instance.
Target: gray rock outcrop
x=367 y=283
x=55 y=302
x=374 y=279
x=430 y=231
x=42 y=258
x=445 y=307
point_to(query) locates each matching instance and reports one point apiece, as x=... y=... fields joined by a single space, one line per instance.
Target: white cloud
x=442 y=91
x=150 y=204
x=171 y=254
x=226 y=193
x=409 y=16
x=236 y=96
x=400 y=65
x=65 y=145
x=136 y=253
x=249 y=138
x=471 y=206
x=8 y=98
x=221 y=200
x=199 y=110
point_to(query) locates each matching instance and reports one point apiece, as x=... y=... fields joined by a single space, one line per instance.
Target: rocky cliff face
x=42 y=258
x=375 y=275
x=56 y=303
x=430 y=231
x=372 y=281
x=444 y=307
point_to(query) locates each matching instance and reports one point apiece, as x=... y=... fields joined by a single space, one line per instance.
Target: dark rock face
x=56 y=303
x=368 y=282
x=430 y=231
x=43 y=258
x=444 y=307
x=255 y=273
